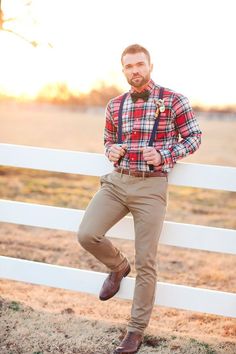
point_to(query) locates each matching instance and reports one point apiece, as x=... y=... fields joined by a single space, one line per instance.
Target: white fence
x=175 y=234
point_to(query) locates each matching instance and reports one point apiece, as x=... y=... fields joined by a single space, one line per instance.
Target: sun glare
x=79 y=43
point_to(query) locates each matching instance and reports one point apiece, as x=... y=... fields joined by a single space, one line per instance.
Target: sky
x=192 y=45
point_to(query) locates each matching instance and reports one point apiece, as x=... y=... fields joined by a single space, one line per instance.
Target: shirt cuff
x=166 y=157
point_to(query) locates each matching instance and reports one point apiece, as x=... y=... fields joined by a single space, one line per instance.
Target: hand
x=151 y=156
x=117 y=152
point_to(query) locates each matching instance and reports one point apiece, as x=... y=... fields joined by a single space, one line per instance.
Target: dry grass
x=79 y=323
x=67 y=333
x=185 y=204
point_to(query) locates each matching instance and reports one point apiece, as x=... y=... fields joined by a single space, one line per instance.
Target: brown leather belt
x=141 y=173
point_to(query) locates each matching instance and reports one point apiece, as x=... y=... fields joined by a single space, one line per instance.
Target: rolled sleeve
x=189 y=133
x=110 y=130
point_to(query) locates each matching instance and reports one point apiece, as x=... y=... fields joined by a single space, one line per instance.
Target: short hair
x=133 y=49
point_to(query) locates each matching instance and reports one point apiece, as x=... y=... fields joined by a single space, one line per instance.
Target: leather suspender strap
x=155 y=126
x=120 y=122
x=154 y=129
x=120 y=118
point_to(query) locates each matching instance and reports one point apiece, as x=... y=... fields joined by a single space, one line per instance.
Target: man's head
x=137 y=67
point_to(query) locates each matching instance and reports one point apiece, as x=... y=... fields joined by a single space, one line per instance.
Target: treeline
x=61 y=94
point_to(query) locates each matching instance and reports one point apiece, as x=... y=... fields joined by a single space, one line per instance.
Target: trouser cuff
x=136 y=330
x=121 y=266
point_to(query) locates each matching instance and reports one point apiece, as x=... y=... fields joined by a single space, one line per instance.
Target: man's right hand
x=117 y=152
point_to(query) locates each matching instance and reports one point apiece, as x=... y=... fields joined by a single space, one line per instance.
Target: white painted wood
x=199 y=237
x=54 y=160
x=196 y=299
x=184 y=174
x=175 y=234
x=204 y=176
x=40 y=215
x=170 y=295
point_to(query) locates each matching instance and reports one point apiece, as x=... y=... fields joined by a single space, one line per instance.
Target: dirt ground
x=40 y=320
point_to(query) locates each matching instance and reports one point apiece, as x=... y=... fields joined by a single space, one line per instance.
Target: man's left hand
x=151 y=156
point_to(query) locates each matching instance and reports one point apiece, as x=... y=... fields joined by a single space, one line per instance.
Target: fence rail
x=84 y=163
x=175 y=234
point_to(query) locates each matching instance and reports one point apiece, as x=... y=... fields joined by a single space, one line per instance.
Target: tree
x=4 y=20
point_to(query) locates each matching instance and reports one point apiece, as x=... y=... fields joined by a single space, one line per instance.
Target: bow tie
x=136 y=95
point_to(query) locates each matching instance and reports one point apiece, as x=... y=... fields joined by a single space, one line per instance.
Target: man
x=143 y=154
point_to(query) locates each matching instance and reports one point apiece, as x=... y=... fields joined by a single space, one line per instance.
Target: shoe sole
x=136 y=351
x=107 y=298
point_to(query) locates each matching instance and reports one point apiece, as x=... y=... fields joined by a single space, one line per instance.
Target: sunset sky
x=192 y=45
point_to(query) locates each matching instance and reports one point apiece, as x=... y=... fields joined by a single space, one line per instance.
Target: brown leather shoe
x=130 y=344
x=111 y=284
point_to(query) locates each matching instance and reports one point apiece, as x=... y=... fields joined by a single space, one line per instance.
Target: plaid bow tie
x=136 y=95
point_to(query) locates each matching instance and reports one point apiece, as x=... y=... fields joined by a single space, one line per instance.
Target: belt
x=141 y=173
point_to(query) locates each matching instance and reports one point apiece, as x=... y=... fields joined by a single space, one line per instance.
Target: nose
x=135 y=70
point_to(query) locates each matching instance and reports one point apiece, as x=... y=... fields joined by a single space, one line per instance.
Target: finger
x=121 y=146
x=121 y=149
x=115 y=155
x=116 y=148
x=149 y=160
x=114 y=159
x=149 y=155
x=147 y=150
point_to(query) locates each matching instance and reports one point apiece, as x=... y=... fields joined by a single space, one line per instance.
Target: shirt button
x=132 y=159
x=134 y=132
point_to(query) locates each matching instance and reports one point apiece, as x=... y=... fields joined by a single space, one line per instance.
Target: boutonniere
x=160 y=106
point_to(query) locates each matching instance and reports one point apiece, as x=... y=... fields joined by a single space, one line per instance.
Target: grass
x=26 y=331
x=186 y=204
x=201 y=345
x=46 y=332
x=15 y=306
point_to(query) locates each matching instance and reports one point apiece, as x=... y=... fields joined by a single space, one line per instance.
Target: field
x=40 y=320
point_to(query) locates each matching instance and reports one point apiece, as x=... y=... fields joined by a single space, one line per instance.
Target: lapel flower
x=160 y=106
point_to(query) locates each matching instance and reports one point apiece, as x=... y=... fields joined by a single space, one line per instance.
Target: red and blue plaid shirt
x=178 y=133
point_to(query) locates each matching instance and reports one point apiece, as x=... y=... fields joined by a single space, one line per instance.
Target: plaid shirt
x=178 y=133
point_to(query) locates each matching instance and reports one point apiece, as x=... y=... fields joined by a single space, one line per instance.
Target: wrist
x=160 y=157
x=109 y=156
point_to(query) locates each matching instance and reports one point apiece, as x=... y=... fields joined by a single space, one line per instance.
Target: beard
x=139 y=81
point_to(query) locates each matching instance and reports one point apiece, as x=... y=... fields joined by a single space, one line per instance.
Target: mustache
x=136 y=76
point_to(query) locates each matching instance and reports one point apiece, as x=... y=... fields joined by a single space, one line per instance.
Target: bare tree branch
x=3 y=20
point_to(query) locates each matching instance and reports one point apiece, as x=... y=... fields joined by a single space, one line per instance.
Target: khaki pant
x=146 y=199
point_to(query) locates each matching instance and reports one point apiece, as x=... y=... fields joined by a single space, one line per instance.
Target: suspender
x=120 y=118
x=155 y=126
x=154 y=129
